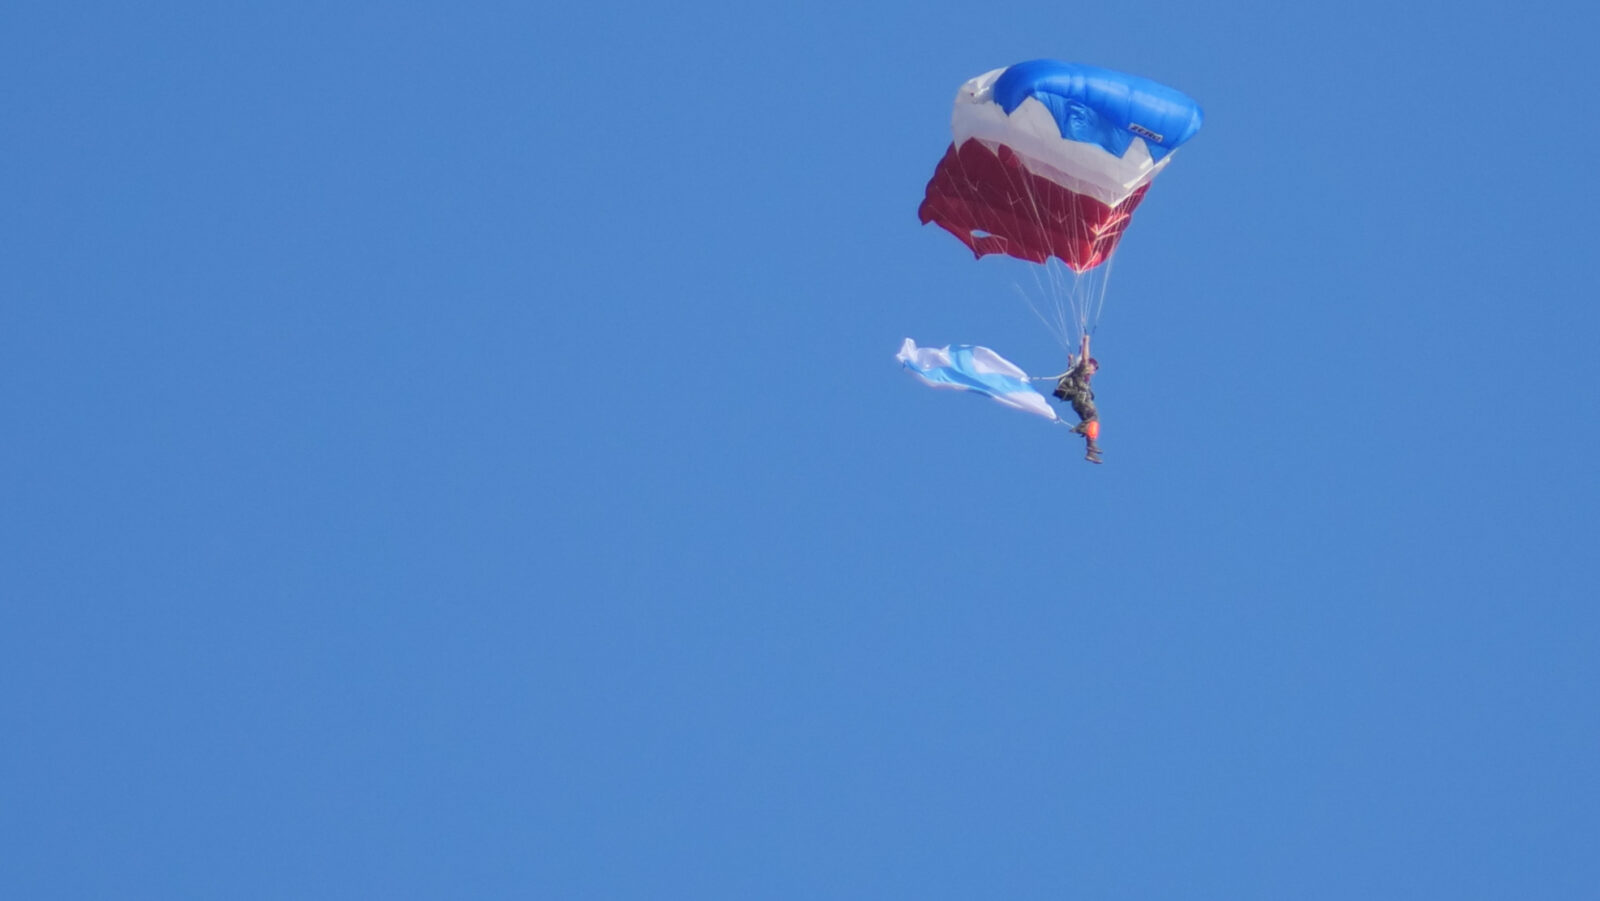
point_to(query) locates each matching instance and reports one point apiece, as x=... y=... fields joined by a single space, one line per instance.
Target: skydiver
x=1073 y=388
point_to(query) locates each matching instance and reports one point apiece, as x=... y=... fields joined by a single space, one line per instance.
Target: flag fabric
x=968 y=367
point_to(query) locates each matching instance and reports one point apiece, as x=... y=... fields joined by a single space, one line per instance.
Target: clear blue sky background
x=454 y=450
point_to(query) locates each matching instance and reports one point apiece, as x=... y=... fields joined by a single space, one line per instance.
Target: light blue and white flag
x=968 y=367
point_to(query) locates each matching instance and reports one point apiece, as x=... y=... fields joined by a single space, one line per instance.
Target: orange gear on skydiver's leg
x=1090 y=430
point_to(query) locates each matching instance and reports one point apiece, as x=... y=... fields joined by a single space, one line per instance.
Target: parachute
x=1047 y=162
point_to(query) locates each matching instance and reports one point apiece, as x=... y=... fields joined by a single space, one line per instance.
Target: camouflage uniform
x=1073 y=387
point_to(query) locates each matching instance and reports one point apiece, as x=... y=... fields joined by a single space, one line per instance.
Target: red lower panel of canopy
x=990 y=200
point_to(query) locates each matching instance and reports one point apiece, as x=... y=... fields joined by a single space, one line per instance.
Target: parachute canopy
x=1049 y=159
x=967 y=367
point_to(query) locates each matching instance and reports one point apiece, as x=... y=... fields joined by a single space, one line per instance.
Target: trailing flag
x=967 y=367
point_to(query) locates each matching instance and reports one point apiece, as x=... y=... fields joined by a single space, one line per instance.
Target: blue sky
x=455 y=450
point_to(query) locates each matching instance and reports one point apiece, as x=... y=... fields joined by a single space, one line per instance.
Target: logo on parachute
x=1143 y=132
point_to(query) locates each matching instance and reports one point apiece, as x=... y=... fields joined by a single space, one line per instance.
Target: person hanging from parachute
x=1072 y=387
x=1047 y=162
